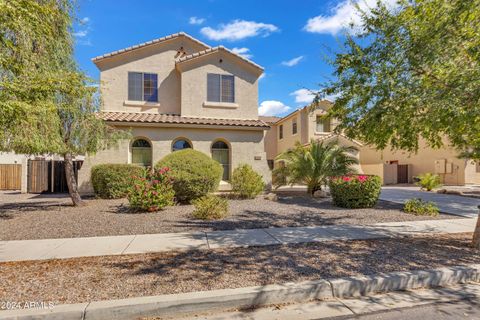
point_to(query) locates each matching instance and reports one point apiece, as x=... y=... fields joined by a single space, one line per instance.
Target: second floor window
x=294 y=126
x=323 y=125
x=142 y=87
x=220 y=88
x=280 y=131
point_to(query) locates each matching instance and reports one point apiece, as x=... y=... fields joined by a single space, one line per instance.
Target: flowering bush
x=355 y=191
x=152 y=192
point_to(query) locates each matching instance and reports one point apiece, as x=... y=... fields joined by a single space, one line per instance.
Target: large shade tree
x=46 y=104
x=412 y=73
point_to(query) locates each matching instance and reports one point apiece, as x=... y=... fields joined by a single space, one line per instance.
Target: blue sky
x=290 y=39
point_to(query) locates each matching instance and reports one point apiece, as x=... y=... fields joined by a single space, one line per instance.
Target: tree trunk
x=72 y=182
x=476 y=233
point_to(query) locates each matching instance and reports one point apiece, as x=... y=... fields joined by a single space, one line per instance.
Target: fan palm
x=313 y=164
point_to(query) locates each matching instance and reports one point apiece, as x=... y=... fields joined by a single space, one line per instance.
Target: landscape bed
x=117 y=277
x=44 y=217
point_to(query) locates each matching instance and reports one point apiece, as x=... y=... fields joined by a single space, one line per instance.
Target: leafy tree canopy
x=412 y=73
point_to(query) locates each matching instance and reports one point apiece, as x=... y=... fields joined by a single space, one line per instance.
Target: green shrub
x=152 y=192
x=194 y=173
x=429 y=181
x=419 y=207
x=111 y=181
x=210 y=207
x=246 y=183
x=355 y=191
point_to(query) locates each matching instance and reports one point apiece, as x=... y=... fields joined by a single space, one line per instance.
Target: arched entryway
x=221 y=153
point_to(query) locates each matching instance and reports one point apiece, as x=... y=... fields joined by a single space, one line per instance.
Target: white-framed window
x=323 y=124
x=180 y=144
x=142 y=86
x=141 y=152
x=220 y=88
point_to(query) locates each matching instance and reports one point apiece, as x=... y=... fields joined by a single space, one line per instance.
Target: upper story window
x=294 y=126
x=280 y=131
x=323 y=124
x=142 y=87
x=220 y=88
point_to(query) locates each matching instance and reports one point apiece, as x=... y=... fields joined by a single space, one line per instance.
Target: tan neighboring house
x=177 y=92
x=393 y=167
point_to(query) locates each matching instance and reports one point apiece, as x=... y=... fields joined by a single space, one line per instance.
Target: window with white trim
x=220 y=88
x=142 y=86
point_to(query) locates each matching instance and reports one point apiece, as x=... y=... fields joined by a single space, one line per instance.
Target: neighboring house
x=392 y=166
x=177 y=92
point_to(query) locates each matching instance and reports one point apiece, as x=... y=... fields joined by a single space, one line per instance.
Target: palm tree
x=313 y=164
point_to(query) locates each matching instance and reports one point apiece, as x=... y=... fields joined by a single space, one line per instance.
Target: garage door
x=10 y=176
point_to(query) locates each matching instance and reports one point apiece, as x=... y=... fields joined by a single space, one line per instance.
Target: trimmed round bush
x=355 y=191
x=210 y=207
x=112 y=181
x=246 y=183
x=194 y=173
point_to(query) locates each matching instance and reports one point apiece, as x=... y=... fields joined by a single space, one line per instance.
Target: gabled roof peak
x=151 y=42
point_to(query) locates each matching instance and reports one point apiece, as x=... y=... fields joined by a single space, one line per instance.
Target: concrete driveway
x=447 y=203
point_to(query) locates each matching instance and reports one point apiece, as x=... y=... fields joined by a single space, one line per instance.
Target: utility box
x=440 y=166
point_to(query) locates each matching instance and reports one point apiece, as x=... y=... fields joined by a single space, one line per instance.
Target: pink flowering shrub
x=152 y=192
x=355 y=191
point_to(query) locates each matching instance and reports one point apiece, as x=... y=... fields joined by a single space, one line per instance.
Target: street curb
x=184 y=303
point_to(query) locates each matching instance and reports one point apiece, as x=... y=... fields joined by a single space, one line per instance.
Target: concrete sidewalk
x=447 y=203
x=43 y=249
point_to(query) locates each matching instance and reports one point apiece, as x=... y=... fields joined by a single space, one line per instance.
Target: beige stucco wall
x=245 y=145
x=289 y=139
x=159 y=59
x=194 y=87
x=270 y=142
x=424 y=161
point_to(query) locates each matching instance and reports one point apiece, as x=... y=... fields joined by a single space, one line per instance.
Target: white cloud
x=84 y=20
x=244 y=52
x=292 y=62
x=342 y=15
x=80 y=33
x=272 y=107
x=238 y=29
x=262 y=76
x=196 y=20
x=303 y=96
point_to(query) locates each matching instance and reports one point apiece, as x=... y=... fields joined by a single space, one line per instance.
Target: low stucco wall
x=246 y=146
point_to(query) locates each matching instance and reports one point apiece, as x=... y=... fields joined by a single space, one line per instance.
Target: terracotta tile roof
x=269 y=119
x=335 y=135
x=141 y=45
x=176 y=119
x=213 y=50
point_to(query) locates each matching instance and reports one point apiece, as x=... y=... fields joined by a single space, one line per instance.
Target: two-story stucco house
x=177 y=92
x=392 y=166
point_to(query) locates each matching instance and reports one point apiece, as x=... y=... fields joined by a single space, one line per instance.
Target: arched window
x=141 y=153
x=181 y=144
x=221 y=153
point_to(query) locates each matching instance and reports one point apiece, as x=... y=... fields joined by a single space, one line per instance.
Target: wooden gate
x=10 y=176
x=402 y=173
x=37 y=176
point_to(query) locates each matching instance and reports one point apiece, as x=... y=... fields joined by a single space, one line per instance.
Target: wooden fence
x=10 y=176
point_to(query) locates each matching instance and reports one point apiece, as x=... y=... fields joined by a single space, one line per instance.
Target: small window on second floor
x=220 y=88
x=294 y=126
x=142 y=87
x=280 y=131
x=323 y=125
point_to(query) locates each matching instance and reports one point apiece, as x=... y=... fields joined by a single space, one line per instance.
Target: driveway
x=447 y=203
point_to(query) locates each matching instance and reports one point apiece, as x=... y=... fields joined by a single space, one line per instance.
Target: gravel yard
x=116 y=277
x=48 y=216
